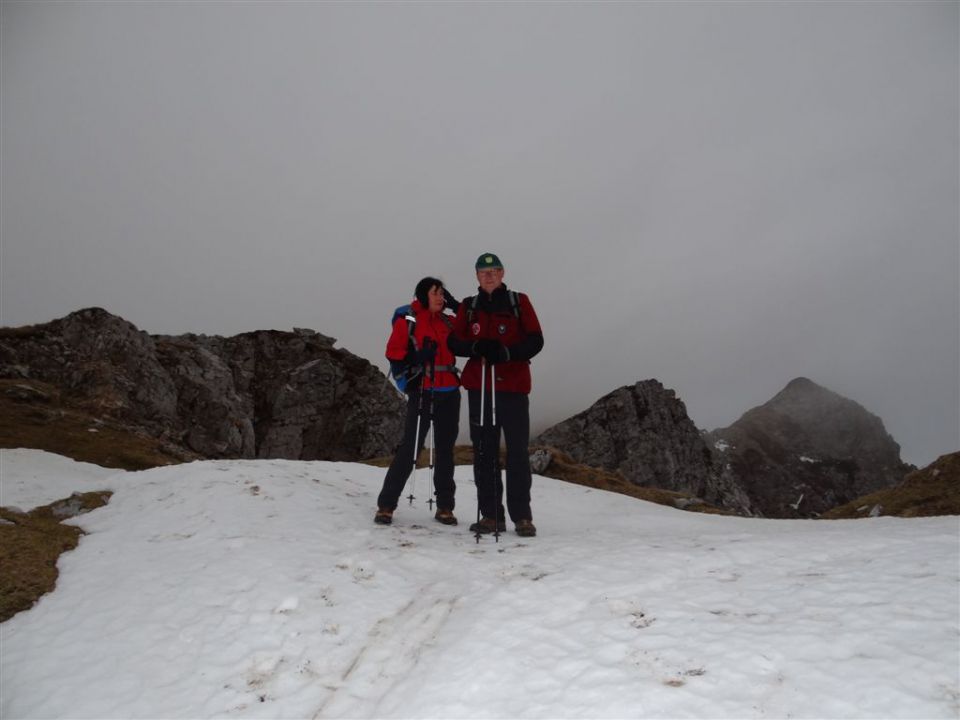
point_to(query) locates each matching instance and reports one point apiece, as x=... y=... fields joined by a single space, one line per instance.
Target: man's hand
x=492 y=351
x=450 y=302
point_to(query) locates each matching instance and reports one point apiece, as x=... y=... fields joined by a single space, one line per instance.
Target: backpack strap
x=514 y=304
x=406 y=312
x=411 y=326
x=402 y=374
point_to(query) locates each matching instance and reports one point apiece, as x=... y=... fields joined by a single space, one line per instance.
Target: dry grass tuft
x=930 y=491
x=31 y=543
x=563 y=467
x=32 y=415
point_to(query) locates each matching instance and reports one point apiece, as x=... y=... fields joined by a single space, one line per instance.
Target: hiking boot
x=488 y=525
x=446 y=517
x=384 y=516
x=526 y=528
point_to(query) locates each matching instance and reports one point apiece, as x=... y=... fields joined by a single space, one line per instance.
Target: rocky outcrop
x=265 y=394
x=644 y=433
x=805 y=451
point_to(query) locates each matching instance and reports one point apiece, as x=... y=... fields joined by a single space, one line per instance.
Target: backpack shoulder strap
x=406 y=312
x=399 y=313
x=471 y=305
x=515 y=303
x=411 y=326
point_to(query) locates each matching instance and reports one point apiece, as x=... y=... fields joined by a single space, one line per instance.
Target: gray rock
x=643 y=431
x=540 y=460
x=266 y=394
x=98 y=361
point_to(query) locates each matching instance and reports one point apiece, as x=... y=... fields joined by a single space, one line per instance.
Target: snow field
x=263 y=589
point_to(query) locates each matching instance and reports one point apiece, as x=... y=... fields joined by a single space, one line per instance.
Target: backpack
x=402 y=373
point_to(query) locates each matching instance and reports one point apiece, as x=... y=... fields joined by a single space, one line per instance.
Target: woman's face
x=435 y=297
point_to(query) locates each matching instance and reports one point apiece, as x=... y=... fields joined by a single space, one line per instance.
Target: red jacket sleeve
x=528 y=316
x=532 y=342
x=399 y=341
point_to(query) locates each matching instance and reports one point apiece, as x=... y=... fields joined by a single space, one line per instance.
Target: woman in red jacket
x=419 y=342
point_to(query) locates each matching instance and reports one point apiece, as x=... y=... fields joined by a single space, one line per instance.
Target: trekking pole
x=493 y=396
x=479 y=460
x=416 y=445
x=432 y=426
x=496 y=464
x=483 y=386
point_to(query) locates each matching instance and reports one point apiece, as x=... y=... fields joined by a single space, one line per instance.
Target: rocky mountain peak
x=806 y=450
x=810 y=419
x=802 y=384
x=643 y=432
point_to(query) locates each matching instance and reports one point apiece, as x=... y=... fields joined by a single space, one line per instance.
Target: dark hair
x=424 y=287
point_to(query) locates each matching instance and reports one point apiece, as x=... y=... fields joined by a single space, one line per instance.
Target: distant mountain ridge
x=805 y=451
x=263 y=394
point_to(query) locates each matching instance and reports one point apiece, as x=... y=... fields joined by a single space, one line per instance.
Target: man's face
x=490 y=279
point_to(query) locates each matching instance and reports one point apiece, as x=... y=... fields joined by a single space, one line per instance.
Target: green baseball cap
x=488 y=261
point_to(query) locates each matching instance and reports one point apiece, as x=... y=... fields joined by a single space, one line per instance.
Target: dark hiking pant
x=445 y=407
x=513 y=419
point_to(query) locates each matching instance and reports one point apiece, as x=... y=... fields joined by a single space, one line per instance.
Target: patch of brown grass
x=930 y=491
x=462 y=455
x=31 y=543
x=32 y=415
x=563 y=467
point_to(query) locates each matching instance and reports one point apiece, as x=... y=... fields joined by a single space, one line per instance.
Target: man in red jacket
x=499 y=331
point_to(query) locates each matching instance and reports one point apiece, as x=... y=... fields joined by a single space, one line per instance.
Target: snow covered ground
x=263 y=589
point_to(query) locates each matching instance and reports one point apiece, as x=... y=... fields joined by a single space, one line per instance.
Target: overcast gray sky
x=722 y=196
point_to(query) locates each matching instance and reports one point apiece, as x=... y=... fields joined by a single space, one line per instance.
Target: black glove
x=492 y=351
x=450 y=302
x=423 y=356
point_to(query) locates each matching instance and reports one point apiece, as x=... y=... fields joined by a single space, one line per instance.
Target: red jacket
x=436 y=328
x=492 y=317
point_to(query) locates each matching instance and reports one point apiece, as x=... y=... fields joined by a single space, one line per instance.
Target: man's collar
x=501 y=290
